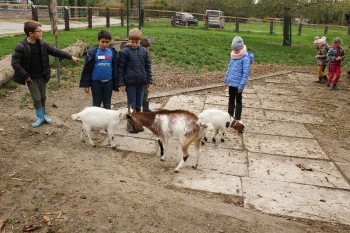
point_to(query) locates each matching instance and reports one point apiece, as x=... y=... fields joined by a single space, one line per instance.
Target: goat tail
x=75 y=116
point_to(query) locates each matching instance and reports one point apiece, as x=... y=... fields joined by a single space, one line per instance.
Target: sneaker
x=329 y=87
x=335 y=87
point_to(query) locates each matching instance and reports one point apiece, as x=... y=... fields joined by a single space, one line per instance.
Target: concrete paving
x=277 y=165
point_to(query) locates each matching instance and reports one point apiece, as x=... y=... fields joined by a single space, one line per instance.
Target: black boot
x=319 y=80
x=145 y=107
x=324 y=79
x=231 y=108
x=238 y=112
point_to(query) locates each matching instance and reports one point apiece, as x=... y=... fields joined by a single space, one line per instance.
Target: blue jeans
x=102 y=93
x=134 y=93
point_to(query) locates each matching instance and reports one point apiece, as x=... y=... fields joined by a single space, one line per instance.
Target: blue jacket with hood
x=238 y=71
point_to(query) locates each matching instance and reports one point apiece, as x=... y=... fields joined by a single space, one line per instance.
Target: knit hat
x=237 y=43
x=323 y=38
x=317 y=37
x=322 y=41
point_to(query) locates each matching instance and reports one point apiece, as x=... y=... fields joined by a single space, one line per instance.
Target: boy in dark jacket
x=100 y=71
x=134 y=70
x=30 y=61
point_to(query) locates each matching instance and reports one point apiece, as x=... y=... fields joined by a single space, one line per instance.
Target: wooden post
x=34 y=13
x=142 y=17
x=108 y=16
x=174 y=19
x=237 y=25
x=66 y=18
x=90 y=17
x=122 y=11
x=271 y=26
x=206 y=21
x=300 y=28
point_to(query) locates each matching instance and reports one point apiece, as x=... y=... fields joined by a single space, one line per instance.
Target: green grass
x=197 y=49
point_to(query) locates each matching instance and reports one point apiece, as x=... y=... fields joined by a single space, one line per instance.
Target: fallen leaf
x=31 y=228
x=48 y=220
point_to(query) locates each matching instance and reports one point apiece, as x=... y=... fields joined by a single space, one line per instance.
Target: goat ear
x=227 y=124
x=128 y=116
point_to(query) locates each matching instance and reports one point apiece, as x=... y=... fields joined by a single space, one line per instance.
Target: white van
x=216 y=18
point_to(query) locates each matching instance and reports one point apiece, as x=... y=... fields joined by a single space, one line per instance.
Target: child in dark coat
x=31 y=63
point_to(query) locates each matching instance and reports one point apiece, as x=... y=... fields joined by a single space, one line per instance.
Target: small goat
x=238 y=125
x=96 y=118
x=219 y=119
x=167 y=124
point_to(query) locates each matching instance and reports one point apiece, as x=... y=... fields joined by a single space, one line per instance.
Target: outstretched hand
x=75 y=59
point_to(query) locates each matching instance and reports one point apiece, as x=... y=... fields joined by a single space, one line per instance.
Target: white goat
x=96 y=118
x=219 y=119
x=166 y=124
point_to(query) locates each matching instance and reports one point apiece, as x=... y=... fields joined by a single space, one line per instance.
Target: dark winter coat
x=321 y=56
x=134 y=66
x=22 y=55
x=85 y=80
x=334 y=52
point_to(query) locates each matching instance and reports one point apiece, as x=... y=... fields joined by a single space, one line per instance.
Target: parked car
x=216 y=18
x=185 y=19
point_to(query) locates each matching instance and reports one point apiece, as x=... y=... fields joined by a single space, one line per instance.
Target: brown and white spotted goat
x=166 y=124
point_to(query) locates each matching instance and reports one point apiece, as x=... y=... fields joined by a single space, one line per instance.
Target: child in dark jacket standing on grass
x=134 y=71
x=30 y=61
x=335 y=55
x=100 y=71
x=237 y=76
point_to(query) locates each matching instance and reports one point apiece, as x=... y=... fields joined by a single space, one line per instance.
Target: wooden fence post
x=122 y=16
x=34 y=13
x=142 y=17
x=271 y=26
x=66 y=18
x=300 y=28
x=108 y=16
x=90 y=17
x=237 y=25
x=174 y=19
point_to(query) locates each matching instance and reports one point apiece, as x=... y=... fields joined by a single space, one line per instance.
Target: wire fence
x=12 y=17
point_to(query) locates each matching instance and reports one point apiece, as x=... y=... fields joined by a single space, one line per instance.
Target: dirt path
x=48 y=173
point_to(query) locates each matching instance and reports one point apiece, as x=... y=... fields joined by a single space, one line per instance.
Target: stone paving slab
x=297 y=200
x=194 y=103
x=277 y=128
x=233 y=140
x=271 y=89
x=296 y=170
x=209 y=181
x=212 y=159
x=293 y=116
x=254 y=113
x=281 y=145
x=139 y=145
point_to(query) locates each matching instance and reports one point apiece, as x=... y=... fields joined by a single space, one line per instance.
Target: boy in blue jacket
x=134 y=70
x=237 y=76
x=100 y=72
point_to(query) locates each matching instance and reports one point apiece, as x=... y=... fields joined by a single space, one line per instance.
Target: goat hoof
x=222 y=140
x=94 y=146
x=203 y=143
x=194 y=167
x=205 y=139
x=114 y=147
x=214 y=140
x=177 y=171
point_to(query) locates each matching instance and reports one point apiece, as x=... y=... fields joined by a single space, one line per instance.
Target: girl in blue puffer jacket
x=237 y=76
